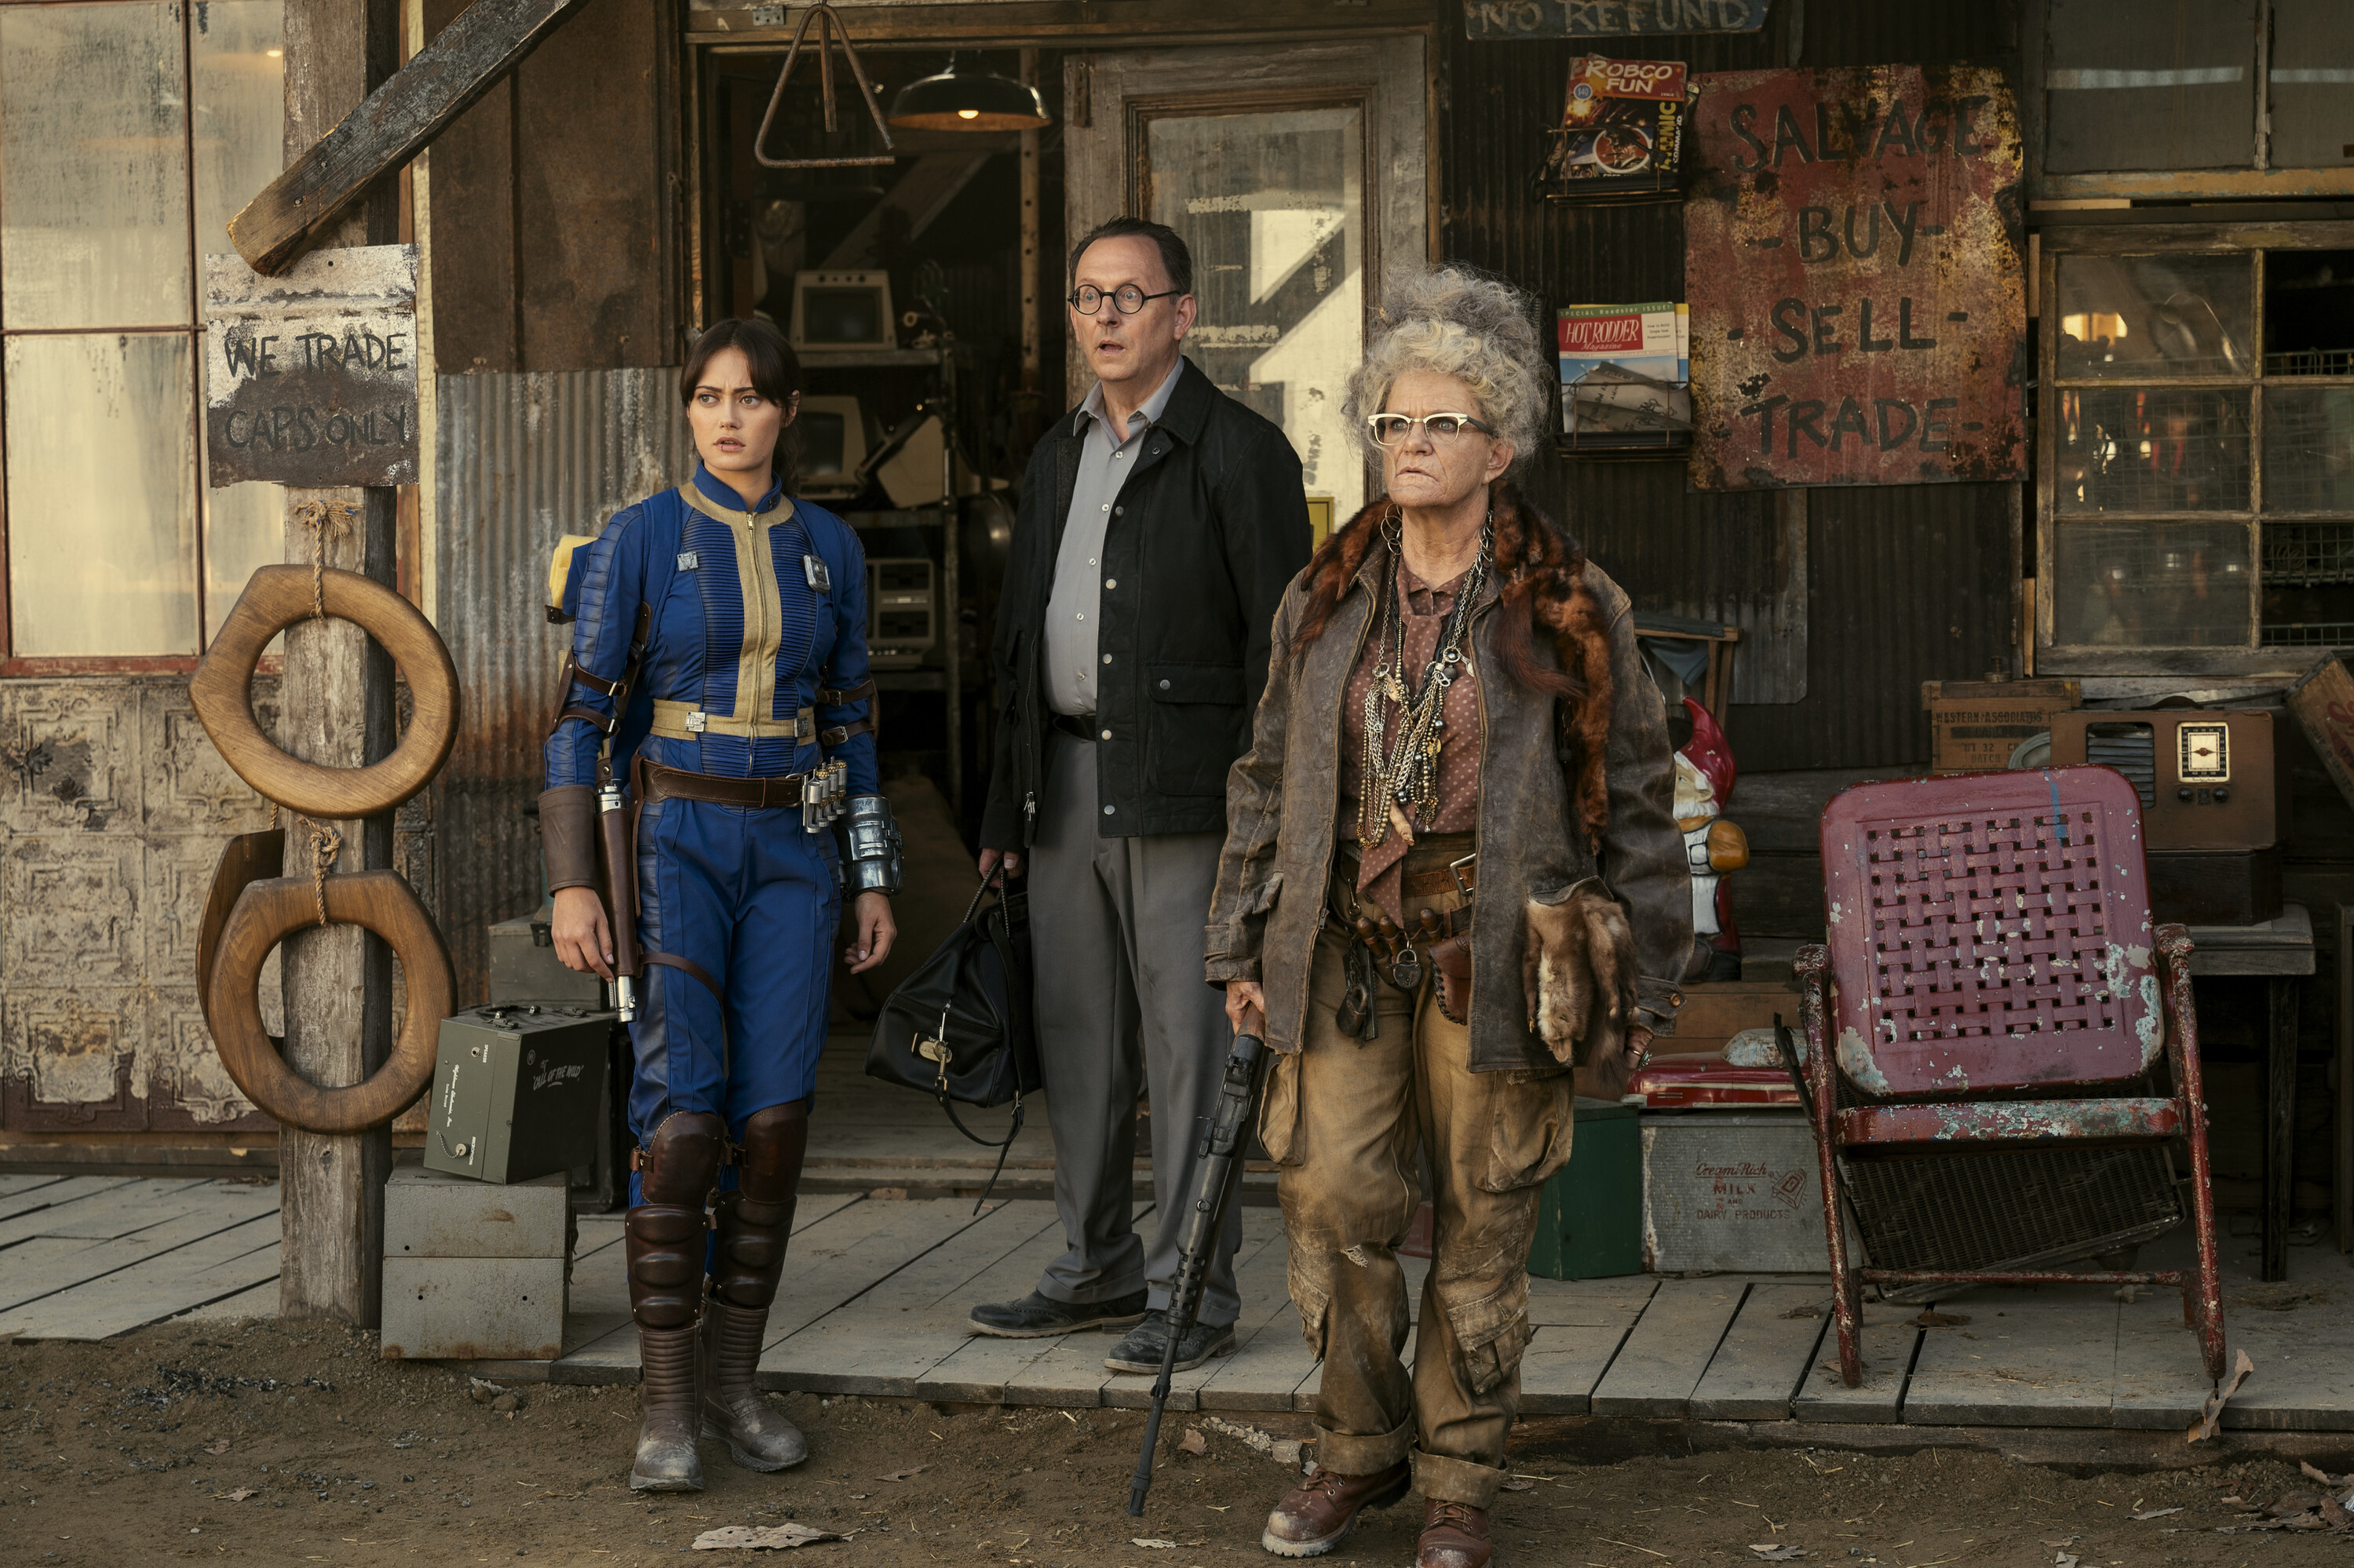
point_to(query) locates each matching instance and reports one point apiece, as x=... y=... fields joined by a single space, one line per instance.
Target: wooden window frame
x=11 y=665
x=2258 y=178
x=2250 y=239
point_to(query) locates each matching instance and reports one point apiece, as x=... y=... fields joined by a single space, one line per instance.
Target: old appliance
x=902 y=612
x=834 y=447
x=842 y=310
x=517 y=1091
x=2214 y=803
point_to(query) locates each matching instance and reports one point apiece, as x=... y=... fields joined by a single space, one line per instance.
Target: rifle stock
x=1224 y=1147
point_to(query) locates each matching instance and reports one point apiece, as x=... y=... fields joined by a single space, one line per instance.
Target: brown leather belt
x=1457 y=875
x=653 y=782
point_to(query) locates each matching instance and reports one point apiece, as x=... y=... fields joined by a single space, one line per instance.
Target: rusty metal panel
x=521 y=460
x=1856 y=276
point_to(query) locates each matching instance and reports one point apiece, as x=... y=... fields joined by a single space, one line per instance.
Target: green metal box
x=1590 y=1219
x=516 y=1091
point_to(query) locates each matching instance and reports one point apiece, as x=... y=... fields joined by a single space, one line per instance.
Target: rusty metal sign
x=311 y=376
x=1491 y=19
x=1853 y=246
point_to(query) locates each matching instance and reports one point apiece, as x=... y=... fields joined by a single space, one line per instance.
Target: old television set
x=902 y=612
x=842 y=310
x=833 y=446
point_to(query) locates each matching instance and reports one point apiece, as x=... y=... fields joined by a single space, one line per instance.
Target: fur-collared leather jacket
x=1571 y=787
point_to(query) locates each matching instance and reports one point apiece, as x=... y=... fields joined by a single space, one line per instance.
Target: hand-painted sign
x=311 y=376
x=1853 y=253
x=1609 y=18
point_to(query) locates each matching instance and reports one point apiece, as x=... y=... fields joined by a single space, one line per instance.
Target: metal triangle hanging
x=830 y=33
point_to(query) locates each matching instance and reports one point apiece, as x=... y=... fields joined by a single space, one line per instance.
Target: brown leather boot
x=663 y=1239
x=755 y=1222
x=1454 y=1535
x=1315 y=1516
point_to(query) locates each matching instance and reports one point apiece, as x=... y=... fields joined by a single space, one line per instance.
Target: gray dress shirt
x=1071 y=656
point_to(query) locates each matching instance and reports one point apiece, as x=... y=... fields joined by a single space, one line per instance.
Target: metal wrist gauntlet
x=870 y=846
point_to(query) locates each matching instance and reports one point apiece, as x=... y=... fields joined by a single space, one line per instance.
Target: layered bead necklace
x=1406 y=774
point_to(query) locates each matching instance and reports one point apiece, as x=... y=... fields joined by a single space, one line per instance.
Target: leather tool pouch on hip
x=1451 y=958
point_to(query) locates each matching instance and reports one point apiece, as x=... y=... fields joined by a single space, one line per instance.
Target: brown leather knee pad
x=664 y=1235
x=758 y=1217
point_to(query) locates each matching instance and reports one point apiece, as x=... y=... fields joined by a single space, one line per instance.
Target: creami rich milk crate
x=1731 y=1190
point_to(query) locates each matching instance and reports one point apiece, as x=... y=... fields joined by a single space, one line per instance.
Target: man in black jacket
x=1159 y=523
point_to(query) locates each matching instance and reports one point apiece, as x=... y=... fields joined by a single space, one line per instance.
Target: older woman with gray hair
x=1452 y=887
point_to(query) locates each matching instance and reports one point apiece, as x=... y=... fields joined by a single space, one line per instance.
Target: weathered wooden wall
x=555 y=200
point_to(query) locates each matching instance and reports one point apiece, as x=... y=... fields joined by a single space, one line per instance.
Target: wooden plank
x=1889 y=1339
x=1564 y=1361
x=1590 y=1303
x=404 y=113
x=12 y=1184
x=2040 y=1356
x=258 y=1301
x=47 y=1264
x=2303 y=1379
x=336 y=710
x=978 y=1369
x=1262 y=1282
x=884 y=1340
x=223 y=1264
x=2158 y=1383
x=843 y=1259
x=82 y=1200
x=1667 y=1351
x=1757 y=1370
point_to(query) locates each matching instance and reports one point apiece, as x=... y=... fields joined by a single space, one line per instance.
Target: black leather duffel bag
x=959 y=1027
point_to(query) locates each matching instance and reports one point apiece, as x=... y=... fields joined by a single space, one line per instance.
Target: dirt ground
x=291 y=1443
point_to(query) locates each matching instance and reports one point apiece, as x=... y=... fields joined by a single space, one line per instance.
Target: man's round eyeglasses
x=1389 y=429
x=1087 y=299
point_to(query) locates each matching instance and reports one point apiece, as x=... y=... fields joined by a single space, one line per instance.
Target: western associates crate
x=474 y=1271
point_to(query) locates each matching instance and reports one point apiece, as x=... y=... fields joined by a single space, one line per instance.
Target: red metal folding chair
x=1996 y=1076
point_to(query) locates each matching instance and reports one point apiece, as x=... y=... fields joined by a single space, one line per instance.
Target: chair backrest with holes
x=1990 y=932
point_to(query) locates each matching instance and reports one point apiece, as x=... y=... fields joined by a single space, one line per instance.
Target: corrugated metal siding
x=1908 y=583
x=521 y=461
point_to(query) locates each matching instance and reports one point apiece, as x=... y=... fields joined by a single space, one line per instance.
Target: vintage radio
x=2214 y=803
x=518 y=1089
x=902 y=612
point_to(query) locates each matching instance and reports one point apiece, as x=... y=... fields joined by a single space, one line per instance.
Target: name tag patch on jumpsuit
x=820 y=580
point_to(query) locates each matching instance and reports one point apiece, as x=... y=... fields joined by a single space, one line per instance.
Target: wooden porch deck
x=875 y=1300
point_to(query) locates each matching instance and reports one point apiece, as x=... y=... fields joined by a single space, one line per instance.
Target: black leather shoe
x=1036 y=1317
x=1142 y=1351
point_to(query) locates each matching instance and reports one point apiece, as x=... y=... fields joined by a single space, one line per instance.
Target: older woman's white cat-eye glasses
x=1389 y=429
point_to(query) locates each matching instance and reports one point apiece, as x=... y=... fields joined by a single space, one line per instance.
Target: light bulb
x=968 y=113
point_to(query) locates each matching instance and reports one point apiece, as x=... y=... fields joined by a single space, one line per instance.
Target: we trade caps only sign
x=1854 y=253
x=311 y=376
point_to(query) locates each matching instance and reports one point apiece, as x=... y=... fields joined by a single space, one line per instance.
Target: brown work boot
x=1321 y=1510
x=1454 y=1535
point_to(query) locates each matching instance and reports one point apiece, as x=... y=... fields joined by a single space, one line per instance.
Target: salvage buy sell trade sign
x=1854 y=263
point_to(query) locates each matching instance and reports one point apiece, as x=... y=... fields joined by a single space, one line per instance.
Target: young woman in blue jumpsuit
x=729 y=620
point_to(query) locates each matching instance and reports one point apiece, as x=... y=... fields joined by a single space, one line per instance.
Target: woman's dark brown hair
x=776 y=376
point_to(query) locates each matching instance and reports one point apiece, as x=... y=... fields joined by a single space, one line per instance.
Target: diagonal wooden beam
x=441 y=81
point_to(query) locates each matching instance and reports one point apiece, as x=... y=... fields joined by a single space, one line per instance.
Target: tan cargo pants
x=1342 y=1119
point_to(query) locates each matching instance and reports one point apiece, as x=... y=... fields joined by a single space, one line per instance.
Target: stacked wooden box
x=475 y=1271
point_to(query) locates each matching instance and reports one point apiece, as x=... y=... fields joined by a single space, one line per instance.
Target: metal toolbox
x=517 y=1091
x=1732 y=1190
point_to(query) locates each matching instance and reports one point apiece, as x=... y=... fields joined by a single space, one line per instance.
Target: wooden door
x=1299 y=174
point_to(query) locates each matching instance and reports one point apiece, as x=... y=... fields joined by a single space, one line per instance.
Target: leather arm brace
x=870 y=846
x=568 y=835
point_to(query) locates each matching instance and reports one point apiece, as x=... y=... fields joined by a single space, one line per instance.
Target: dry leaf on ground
x=1767 y=1552
x=1193 y=1441
x=217 y=1446
x=760 y=1538
x=2210 y=1419
x=1520 y=1484
x=237 y=1495
x=1148 y=1540
x=2158 y=1513
x=902 y=1475
x=1936 y=1319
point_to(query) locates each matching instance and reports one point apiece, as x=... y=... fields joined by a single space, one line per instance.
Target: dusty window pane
x=109 y=415
x=2312 y=84
x=2134 y=316
x=94 y=207
x=2309 y=312
x=2150 y=84
x=2308 y=448
x=2136 y=449
x=1273 y=207
x=240 y=109
x=2164 y=584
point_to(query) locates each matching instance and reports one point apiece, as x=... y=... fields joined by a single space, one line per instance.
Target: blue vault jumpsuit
x=744 y=644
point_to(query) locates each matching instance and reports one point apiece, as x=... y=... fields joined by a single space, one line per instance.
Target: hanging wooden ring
x=247 y=859
x=268 y=912
x=222 y=690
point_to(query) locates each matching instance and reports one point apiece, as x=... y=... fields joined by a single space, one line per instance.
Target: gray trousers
x=1116 y=925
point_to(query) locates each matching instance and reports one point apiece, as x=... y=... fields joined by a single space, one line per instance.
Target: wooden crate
x=1975 y=725
x=1715 y=1012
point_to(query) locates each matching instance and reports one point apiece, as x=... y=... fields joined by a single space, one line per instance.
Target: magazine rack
x=1646 y=405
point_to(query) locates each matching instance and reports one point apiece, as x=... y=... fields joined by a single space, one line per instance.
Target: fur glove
x=1577 y=970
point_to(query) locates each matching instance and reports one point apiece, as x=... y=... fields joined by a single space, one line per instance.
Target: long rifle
x=1223 y=1147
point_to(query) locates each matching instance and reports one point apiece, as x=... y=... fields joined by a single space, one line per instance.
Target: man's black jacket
x=1208 y=530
